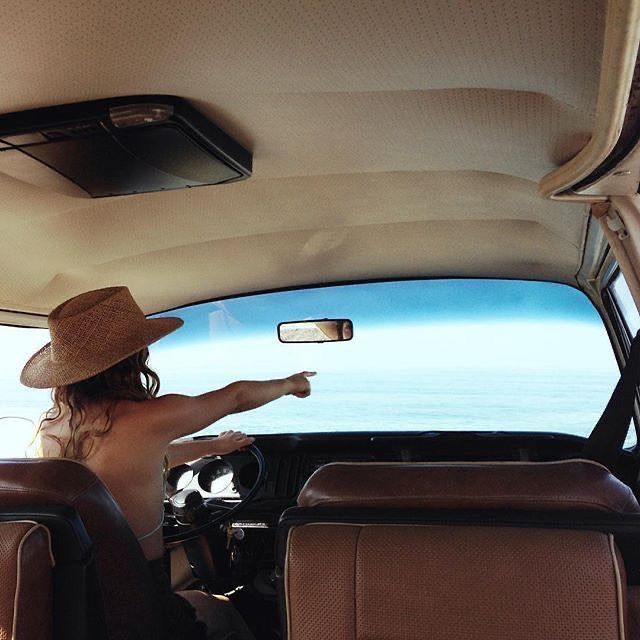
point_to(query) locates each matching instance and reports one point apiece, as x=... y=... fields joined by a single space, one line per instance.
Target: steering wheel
x=214 y=510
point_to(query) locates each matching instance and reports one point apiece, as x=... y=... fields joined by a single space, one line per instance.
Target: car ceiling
x=390 y=139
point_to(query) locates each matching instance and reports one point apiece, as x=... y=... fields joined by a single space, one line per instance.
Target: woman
x=107 y=414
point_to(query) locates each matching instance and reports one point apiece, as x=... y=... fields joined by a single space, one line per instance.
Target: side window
x=625 y=304
x=20 y=407
x=626 y=309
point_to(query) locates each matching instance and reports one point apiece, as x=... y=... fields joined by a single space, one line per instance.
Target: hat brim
x=41 y=372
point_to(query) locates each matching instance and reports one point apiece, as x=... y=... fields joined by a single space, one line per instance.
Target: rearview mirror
x=324 y=330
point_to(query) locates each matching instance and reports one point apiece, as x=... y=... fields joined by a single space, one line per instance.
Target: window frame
x=623 y=336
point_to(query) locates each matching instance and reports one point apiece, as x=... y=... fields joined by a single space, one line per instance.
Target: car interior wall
x=620 y=46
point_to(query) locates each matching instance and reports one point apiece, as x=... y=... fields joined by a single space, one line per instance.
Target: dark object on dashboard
x=186 y=504
x=320 y=330
x=247 y=476
x=120 y=146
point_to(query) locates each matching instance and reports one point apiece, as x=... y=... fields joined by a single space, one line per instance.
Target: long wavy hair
x=129 y=379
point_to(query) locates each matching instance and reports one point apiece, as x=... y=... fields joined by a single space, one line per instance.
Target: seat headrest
x=577 y=485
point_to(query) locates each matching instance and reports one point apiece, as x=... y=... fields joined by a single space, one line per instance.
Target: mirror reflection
x=324 y=330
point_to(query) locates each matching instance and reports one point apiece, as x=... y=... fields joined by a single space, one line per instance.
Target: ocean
x=446 y=401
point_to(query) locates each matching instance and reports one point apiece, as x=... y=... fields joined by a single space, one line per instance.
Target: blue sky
x=389 y=303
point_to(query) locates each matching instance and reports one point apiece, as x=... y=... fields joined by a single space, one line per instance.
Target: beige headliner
x=390 y=139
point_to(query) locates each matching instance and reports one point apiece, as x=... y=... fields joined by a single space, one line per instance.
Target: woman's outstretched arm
x=174 y=416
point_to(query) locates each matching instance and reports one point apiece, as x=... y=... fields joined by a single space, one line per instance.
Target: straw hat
x=89 y=334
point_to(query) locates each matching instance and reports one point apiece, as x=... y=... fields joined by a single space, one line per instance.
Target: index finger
x=308 y=374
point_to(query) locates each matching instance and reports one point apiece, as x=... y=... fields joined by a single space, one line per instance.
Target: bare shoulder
x=153 y=414
x=151 y=408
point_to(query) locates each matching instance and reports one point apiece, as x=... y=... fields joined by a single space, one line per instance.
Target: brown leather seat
x=358 y=561
x=71 y=502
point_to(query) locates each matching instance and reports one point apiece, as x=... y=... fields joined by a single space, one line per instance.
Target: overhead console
x=119 y=146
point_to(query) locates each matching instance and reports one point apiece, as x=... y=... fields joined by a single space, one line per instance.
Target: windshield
x=458 y=355
x=426 y=355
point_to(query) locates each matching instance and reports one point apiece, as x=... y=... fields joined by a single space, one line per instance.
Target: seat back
x=408 y=551
x=102 y=587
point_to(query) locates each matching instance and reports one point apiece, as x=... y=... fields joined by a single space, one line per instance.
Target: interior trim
x=16 y=595
x=287 y=607
x=621 y=38
x=21 y=319
x=619 y=598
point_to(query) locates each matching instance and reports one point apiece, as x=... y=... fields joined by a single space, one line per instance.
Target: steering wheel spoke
x=216 y=504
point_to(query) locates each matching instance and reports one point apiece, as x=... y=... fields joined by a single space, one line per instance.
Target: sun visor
x=120 y=146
